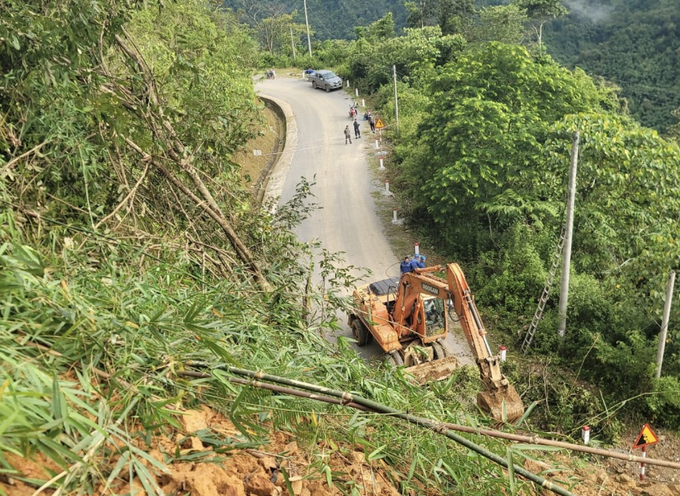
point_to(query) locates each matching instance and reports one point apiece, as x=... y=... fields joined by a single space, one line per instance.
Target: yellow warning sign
x=379 y=124
x=645 y=438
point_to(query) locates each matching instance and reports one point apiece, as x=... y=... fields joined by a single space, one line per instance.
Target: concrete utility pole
x=292 y=42
x=396 y=100
x=566 y=257
x=309 y=41
x=664 y=323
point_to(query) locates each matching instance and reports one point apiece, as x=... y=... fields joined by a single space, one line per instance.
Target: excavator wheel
x=361 y=334
x=439 y=351
x=396 y=358
x=503 y=405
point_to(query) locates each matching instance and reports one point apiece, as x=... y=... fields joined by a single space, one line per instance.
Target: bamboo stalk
x=471 y=430
x=560 y=444
x=277 y=389
x=435 y=426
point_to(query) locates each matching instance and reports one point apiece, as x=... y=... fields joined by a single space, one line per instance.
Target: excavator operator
x=406 y=266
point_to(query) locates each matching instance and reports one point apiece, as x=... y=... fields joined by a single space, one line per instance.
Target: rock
x=268 y=463
x=291 y=449
x=658 y=490
x=259 y=485
x=297 y=486
x=316 y=488
x=204 y=479
x=626 y=480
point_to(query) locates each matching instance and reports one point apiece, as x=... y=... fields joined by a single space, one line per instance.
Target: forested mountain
x=633 y=43
x=334 y=19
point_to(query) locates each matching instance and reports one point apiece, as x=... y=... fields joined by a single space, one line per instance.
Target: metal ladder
x=546 y=292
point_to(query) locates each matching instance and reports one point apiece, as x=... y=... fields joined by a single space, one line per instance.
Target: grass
x=251 y=164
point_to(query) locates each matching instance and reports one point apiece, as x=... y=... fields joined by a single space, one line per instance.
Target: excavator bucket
x=504 y=404
x=435 y=370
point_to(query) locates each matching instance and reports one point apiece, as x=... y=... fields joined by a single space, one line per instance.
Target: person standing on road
x=357 y=129
x=371 y=123
x=348 y=135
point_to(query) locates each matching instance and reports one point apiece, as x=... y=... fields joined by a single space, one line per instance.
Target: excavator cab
x=435 y=316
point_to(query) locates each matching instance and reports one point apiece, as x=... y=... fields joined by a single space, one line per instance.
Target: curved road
x=346 y=221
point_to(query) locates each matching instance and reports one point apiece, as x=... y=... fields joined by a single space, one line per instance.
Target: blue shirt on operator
x=406 y=265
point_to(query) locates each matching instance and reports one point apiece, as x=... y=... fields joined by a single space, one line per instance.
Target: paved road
x=347 y=221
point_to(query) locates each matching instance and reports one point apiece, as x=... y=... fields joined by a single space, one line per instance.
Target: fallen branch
x=127 y=197
x=8 y=166
x=176 y=150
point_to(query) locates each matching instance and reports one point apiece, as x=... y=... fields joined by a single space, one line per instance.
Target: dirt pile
x=237 y=472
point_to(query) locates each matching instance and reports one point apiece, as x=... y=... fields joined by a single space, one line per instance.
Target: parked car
x=326 y=80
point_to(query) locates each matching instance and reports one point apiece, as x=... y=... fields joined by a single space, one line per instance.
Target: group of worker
x=412 y=262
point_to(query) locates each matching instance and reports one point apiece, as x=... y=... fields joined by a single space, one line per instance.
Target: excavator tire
x=361 y=334
x=439 y=351
x=396 y=358
x=503 y=405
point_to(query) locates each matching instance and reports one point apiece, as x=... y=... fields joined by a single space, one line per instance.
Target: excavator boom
x=499 y=398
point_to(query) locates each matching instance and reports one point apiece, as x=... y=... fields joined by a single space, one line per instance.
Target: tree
x=275 y=33
x=452 y=16
x=628 y=191
x=503 y=23
x=378 y=30
x=540 y=12
x=478 y=164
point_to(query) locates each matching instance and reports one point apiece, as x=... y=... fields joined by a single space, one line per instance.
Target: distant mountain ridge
x=633 y=43
x=331 y=19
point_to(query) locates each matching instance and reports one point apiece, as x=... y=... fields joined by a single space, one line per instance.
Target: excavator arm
x=500 y=397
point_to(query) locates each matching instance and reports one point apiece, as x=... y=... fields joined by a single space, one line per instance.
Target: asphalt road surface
x=346 y=221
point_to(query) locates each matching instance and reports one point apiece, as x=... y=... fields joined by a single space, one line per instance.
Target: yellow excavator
x=408 y=317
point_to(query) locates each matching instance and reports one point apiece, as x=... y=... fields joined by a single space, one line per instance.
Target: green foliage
x=629 y=185
x=487 y=123
x=504 y=23
x=665 y=400
x=566 y=403
x=202 y=73
x=415 y=55
x=379 y=30
x=327 y=20
x=452 y=16
x=511 y=276
x=632 y=44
